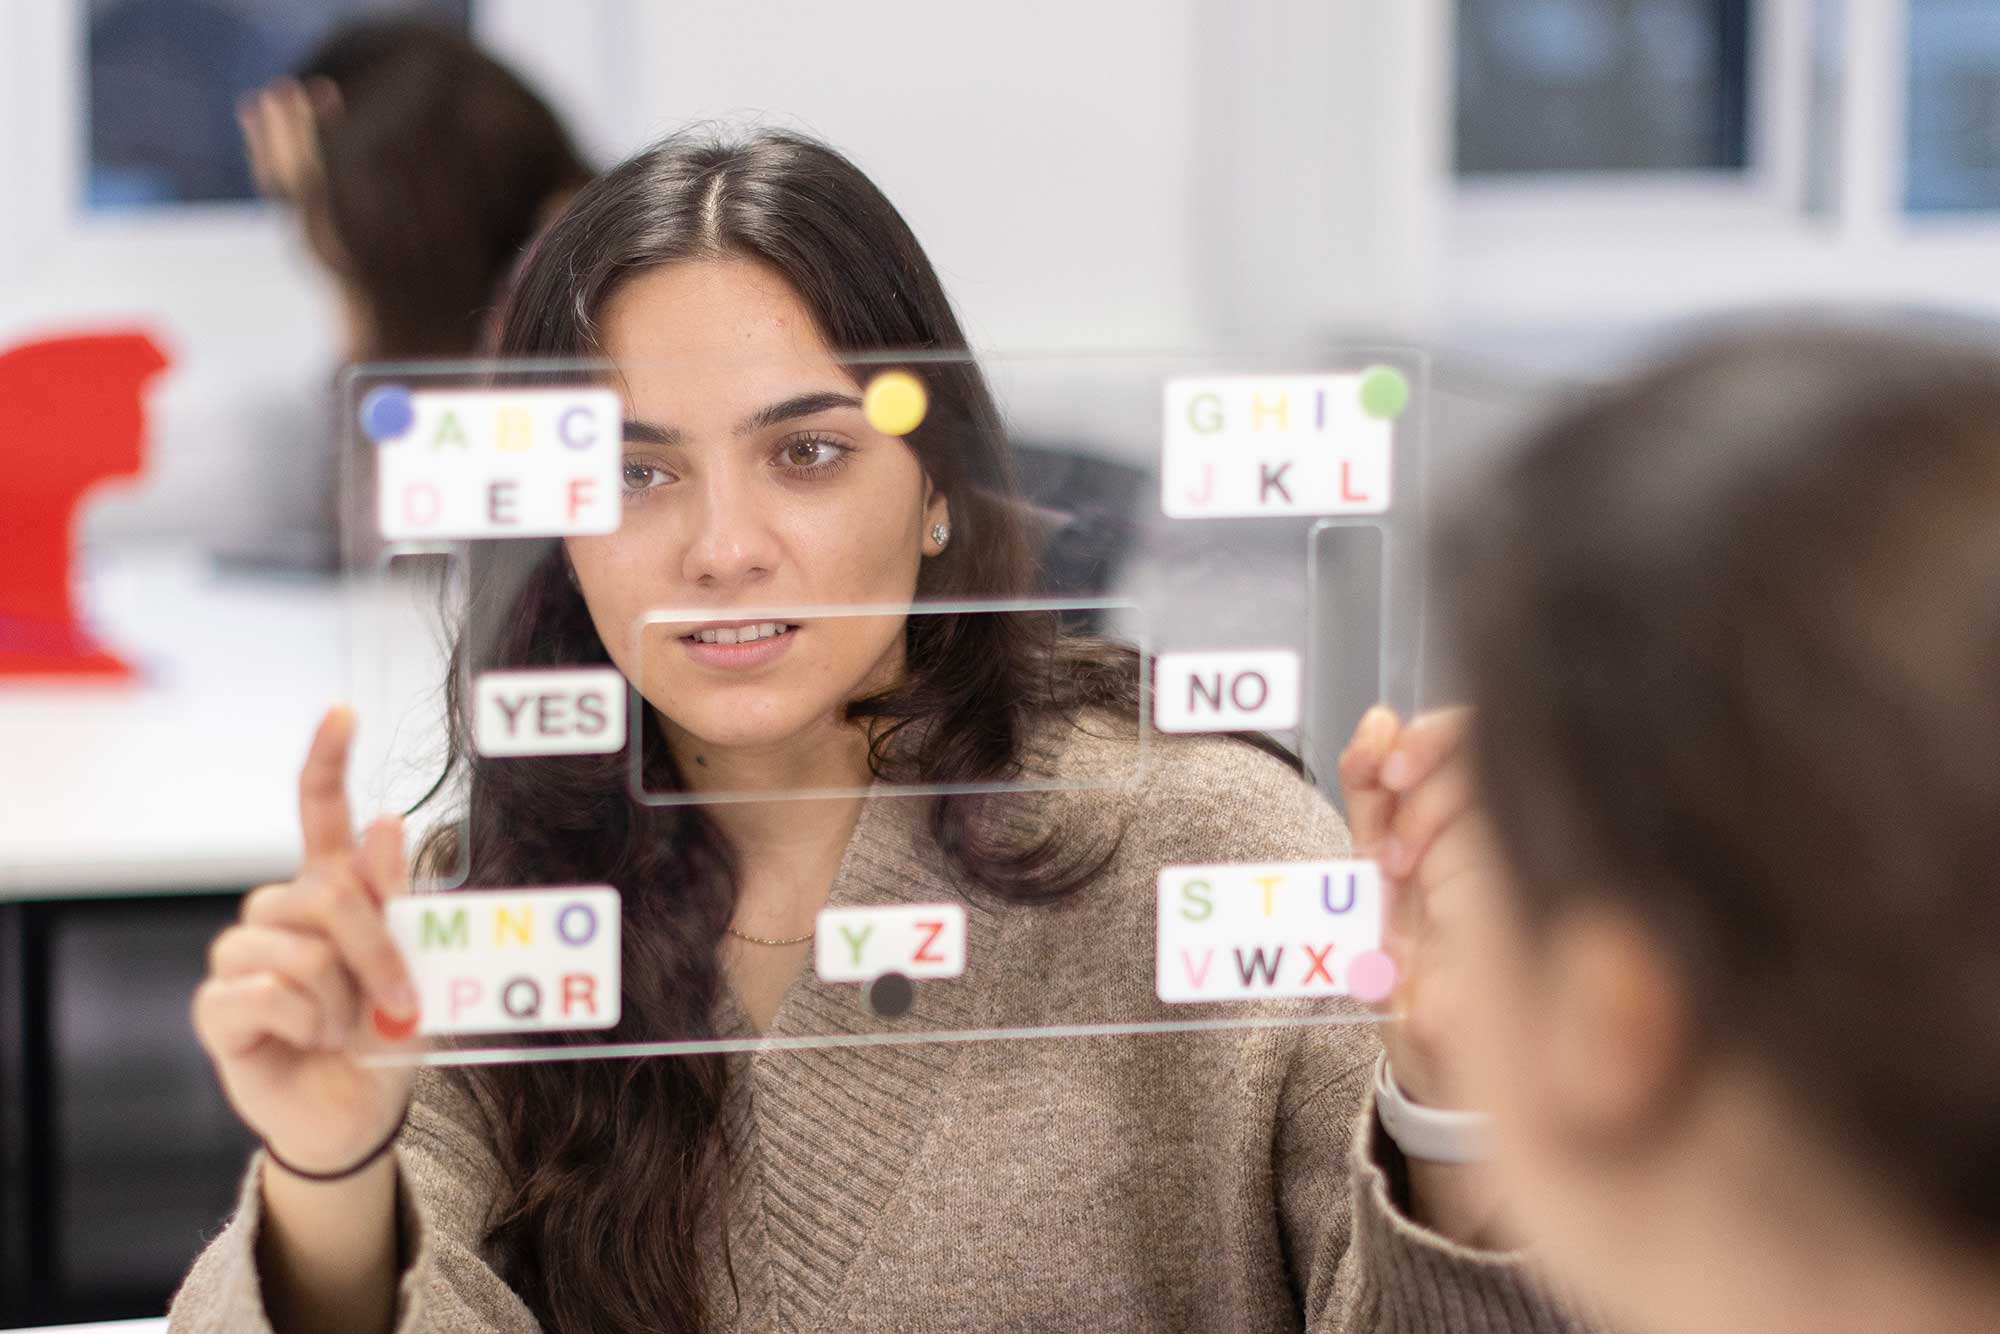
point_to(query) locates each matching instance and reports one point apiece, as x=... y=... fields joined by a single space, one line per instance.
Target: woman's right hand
x=287 y=1005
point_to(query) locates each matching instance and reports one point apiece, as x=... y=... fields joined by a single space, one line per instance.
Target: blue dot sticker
x=386 y=413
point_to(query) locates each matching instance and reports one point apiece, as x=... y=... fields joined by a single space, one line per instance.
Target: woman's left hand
x=1411 y=807
x=280 y=124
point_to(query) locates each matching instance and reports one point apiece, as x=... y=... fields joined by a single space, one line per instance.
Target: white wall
x=1041 y=149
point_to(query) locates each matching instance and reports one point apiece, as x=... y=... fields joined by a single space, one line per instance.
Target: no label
x=1227 y=690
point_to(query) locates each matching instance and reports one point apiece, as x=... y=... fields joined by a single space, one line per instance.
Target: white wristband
x=1425 y=1133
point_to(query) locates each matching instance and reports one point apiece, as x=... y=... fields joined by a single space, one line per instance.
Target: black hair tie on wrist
x=343 y=1173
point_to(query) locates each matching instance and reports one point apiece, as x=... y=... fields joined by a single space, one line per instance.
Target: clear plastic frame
x=1059 y=649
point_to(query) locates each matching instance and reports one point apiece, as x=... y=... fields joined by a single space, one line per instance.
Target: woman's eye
x=639 y=476
x=812 y=453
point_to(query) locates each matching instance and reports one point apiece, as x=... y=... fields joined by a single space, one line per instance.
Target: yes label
x=917 y=940
x=557 y=712
x=506 y=961
x=1251 y=931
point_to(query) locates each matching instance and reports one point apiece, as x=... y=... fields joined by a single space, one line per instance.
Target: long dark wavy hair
x=614 y=1167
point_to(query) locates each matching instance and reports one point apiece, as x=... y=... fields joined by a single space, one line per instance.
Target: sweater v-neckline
x=823 y=1137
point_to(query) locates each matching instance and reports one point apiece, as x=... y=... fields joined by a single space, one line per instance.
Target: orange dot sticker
x=895 y=402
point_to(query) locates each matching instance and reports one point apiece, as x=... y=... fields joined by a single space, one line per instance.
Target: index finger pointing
x=382 y=864
x=324 y=819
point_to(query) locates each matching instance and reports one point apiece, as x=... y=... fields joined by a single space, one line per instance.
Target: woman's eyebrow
x=645 y=433
x=799 y=405
x=789 y=409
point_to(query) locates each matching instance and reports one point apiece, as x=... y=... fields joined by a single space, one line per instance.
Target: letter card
x=474 y=463
x=511 y=960
x=1286 y=444
x=915 y=939
x=1276 y=929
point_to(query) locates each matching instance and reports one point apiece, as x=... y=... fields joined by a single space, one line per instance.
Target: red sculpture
x=72 y=414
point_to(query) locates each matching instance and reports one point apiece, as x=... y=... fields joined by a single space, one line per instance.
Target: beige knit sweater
x=1219 y=1181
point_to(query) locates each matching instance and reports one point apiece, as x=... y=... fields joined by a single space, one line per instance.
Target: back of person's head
x=439 y=165
x=1731 y=631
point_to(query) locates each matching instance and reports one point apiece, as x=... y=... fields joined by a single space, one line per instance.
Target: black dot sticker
x=891 y=995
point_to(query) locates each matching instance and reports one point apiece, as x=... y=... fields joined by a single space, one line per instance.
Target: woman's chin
x=722 y=738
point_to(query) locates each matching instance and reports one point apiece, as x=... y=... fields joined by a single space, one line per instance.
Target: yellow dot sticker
x=895 y=402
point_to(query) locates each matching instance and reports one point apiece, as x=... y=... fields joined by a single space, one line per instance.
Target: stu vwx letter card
x=1257 y=931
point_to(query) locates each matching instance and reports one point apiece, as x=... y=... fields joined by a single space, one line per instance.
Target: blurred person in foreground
x=1731 y=633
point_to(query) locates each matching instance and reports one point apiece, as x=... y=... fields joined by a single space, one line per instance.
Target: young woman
x=1225 y=1181
x=1732 y=635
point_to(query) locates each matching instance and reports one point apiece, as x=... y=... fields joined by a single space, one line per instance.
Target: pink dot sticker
x=1371 y=977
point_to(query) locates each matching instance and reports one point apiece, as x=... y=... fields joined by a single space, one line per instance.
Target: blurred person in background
x=1732 y=638
x=420 y=168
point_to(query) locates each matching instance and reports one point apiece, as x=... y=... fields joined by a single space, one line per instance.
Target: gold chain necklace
x=763 y=940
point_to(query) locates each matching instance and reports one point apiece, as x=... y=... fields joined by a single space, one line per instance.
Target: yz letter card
x=1279 y=929
x=472 y=463
x=1228 y=690
x=918 y=940
x=1283 y=444
x=557 y=712
x=511 y=960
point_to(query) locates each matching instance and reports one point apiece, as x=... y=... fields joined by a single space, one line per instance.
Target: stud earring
x=940 y=534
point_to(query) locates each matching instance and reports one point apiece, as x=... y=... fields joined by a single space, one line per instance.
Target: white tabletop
x=183 y=779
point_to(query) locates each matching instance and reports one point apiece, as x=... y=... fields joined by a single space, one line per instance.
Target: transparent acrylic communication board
x=1044 y=660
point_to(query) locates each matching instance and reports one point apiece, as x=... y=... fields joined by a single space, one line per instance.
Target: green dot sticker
x=1384 y=392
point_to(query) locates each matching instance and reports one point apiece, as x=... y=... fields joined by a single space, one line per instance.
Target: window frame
x=43 y=65
x=1700 y=182
x=1578 y=248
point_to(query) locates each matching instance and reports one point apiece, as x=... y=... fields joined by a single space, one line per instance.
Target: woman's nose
x=732 y=542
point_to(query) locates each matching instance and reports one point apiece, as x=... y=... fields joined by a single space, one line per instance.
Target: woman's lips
x=756 y=652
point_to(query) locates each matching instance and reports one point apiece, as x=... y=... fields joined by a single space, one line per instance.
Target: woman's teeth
x=740 y=634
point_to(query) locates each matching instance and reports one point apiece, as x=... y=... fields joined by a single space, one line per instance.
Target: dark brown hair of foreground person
x=438 y=168
x=616 y=1165
x=1732 y=637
